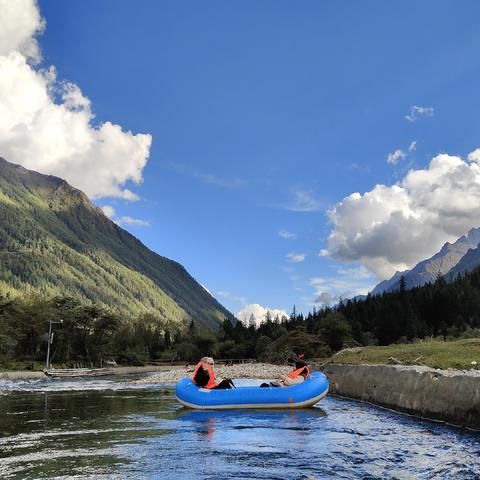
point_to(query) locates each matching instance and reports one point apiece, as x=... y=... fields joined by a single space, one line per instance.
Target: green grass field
x=457 y=354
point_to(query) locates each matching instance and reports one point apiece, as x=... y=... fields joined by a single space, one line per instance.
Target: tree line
x=90 y=334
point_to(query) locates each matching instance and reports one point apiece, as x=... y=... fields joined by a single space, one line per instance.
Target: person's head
x=299 y=364
x=208 y=361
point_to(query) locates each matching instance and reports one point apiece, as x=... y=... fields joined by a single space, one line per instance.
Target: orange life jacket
x=211 y=381
x=300 y=371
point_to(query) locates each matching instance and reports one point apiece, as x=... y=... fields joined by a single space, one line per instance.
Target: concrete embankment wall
x=447 y=395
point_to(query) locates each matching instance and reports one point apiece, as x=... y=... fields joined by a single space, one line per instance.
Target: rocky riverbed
x=243 y=370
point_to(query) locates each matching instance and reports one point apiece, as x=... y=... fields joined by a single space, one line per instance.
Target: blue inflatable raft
x=305 y=394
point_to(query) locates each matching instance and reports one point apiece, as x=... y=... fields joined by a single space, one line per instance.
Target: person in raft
x=300 y=372
x=204 y=376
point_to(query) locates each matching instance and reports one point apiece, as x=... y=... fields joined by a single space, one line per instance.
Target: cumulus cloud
x=21 y=22
x=284 y=233
x=108 y=211
x=296 y=257
x=396 y=156
x=417 y=111
x=259 y=312
x=48 y=125
x=474 y=156
x=392 y=228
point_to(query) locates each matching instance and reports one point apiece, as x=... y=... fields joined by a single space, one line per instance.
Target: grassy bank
x=457 y=354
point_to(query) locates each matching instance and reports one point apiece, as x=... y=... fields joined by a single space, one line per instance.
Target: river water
x=110 y=429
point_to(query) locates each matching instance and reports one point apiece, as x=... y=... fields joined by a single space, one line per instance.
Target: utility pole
x=50 y=341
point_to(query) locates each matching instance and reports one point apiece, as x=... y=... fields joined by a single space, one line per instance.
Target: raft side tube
x=303 y=395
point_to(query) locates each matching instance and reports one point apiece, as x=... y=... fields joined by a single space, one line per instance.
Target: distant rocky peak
x=473 y=236
x=439 y=264
x=445 y=248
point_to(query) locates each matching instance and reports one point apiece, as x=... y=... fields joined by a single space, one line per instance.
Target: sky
x=286 y=153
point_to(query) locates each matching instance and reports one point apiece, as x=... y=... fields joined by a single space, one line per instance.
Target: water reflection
x=206 y=422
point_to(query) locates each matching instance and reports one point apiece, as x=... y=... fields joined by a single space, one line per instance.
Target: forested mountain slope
x=53 y=241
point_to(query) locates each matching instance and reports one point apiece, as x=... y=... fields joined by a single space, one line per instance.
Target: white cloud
x=47 y=125
x=126 y=220
x=417 y=111
x=296 y=257
x=302 y=201
x=474 y=156
x=413 y=146
x=259 y=312
x=395 y=156
x=391 y=228
x=284 y=233
x=347 y=283
x=108 y=211
x=21 y=22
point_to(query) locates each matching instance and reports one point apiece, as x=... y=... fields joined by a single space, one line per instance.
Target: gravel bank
x=244 y=370
x=21 y=375
x=29 y=375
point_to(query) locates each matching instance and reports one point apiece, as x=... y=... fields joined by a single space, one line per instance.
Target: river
x=112 y=429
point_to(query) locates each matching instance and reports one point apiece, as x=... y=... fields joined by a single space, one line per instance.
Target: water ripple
x=109 y=429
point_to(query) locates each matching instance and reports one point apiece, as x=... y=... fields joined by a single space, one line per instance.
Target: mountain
x=54 y=241
x=467 y=263
x=386 y=285
x=444 y=263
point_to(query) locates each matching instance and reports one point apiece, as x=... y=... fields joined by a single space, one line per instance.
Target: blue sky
x=266 y=115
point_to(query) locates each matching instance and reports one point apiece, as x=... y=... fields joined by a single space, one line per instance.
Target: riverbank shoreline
x=451 y=396
x=36 y=375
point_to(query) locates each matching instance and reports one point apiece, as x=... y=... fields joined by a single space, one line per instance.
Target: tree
x=335 y=329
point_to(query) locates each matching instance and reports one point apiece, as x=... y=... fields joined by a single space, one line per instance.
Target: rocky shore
x=37 y=375
x=244 y=370
x=169 y=374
